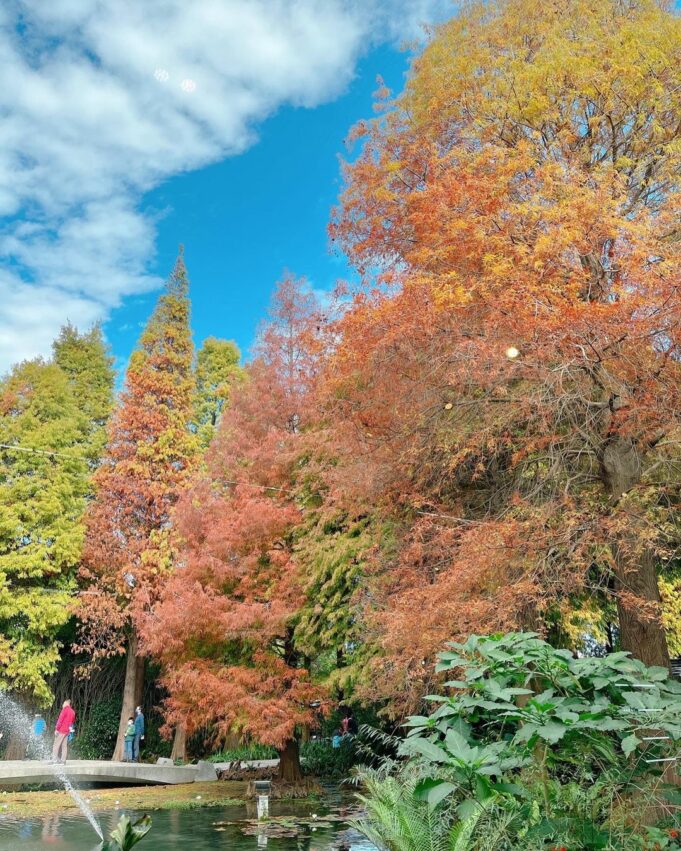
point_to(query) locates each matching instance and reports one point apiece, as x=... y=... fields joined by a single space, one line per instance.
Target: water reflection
x=292 y=828
x=51 y=834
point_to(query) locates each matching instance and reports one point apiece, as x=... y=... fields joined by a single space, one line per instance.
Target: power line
x=51 y=453
x=255 y=485
x=15 y=448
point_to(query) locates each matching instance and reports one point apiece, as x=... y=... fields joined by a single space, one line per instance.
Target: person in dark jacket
x=139 y=734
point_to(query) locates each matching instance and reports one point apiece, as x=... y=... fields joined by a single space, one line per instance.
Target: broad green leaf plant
x=534 y=748
x=127 y=834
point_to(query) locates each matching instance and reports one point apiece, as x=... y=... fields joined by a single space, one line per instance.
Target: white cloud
x=31 y=314
x=104 y=99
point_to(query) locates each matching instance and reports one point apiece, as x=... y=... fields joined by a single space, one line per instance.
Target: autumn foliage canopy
x=224 y=627
x=482 y=433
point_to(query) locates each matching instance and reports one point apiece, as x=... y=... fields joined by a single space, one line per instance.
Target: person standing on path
x=129 y=740
x=139 y=733
x=65 y=722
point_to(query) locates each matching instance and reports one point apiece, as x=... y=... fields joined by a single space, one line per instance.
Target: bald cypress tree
x=150 y=450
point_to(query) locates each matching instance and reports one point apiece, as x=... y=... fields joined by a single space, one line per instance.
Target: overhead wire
x=15 y=448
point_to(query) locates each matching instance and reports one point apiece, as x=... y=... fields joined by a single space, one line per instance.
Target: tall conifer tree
x=42 y=497
x=51 y=419
x=149 y=454
x=217 y=373
x=89 y=367
x=224 y=628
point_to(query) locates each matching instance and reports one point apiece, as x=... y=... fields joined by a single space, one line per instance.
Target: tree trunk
x=139 y=683
x=132 y=692
x=289 y=763
x=641 y=632
x=17 y=730
x=232 y=742
x=635 y=572
x=179 y=751
x=16 y=745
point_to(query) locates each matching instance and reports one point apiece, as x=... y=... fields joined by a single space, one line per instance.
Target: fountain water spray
x=21 y=723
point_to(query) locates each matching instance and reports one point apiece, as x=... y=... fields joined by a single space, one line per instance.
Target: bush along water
x=533 y=749
x=245 y=753
x=320 y=759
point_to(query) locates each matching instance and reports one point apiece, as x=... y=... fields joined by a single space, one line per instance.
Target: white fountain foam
x=21 y=723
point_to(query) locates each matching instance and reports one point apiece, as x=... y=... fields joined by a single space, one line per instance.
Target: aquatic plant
x=127 y=834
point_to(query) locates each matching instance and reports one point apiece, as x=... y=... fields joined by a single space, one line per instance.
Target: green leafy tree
x=42 y=498
x=330 y=551
x=217 y=372
x=89 y=367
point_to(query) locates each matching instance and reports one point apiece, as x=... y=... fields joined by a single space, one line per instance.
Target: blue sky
x=129 y=127
x=246 y=219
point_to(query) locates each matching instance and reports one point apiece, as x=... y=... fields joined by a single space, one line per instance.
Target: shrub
x=96 y=738
x=154 y=745
x=244 y=753
x=320 y=759
x=533 y=749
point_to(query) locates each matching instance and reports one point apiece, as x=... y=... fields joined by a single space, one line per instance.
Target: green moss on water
x=148 y=798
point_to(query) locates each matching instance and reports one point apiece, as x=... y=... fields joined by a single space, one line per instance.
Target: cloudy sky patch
x=103 y=100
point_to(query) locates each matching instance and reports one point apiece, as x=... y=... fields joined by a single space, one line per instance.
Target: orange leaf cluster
x=223 y=627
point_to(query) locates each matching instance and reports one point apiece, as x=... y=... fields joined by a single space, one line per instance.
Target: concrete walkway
x=20 y=772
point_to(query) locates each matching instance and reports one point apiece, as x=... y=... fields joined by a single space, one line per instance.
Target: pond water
x=291 y=827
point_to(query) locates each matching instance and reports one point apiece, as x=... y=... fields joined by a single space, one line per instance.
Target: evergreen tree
x=89 y=367
x=42 y=498
x=149 y=454
x=52 y=416
x=217 y=372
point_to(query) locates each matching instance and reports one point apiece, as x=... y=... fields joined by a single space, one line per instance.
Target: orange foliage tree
x=224 y=629
x=150 y=451
x=509 y=375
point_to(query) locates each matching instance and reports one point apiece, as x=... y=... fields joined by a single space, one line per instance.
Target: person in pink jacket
x=65 y=723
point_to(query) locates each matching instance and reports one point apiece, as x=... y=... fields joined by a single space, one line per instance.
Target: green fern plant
x=397 y=821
